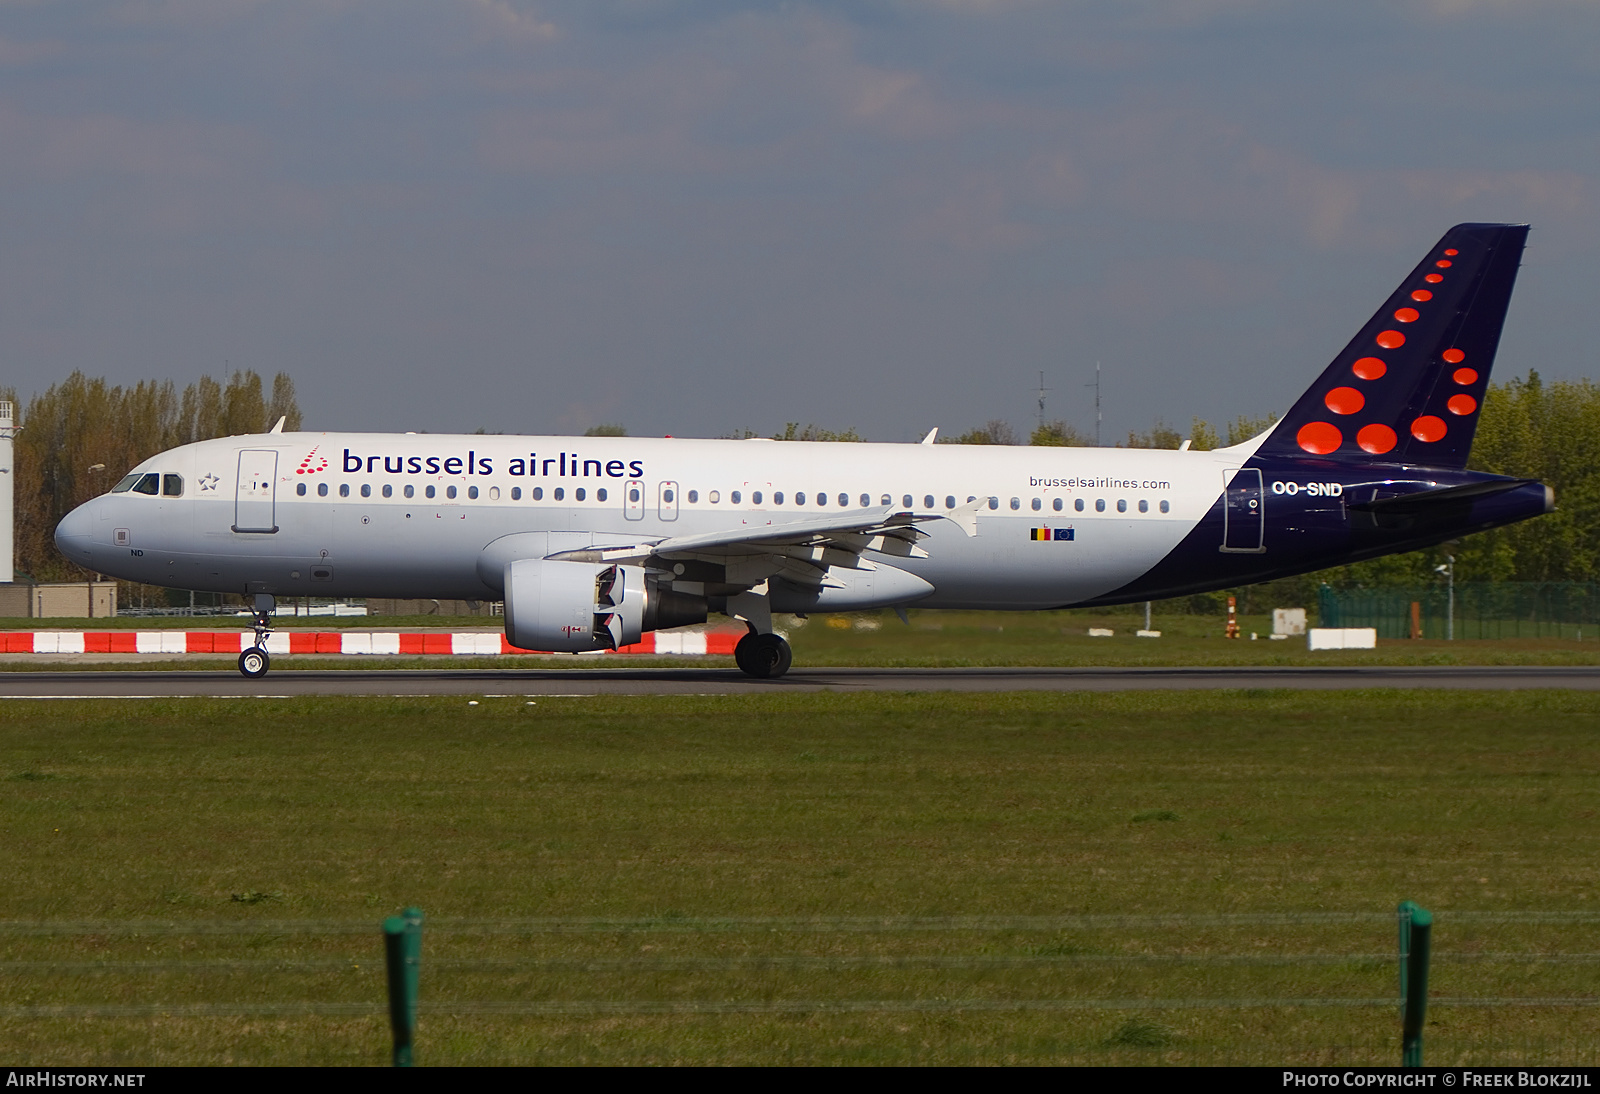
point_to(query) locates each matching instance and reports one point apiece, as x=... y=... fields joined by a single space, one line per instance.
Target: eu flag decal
x=1047 y=535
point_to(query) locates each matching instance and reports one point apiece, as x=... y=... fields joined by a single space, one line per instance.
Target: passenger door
x=1243 y=513
x=255 y=493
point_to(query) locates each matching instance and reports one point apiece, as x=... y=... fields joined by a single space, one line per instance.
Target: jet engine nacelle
x=577 y=607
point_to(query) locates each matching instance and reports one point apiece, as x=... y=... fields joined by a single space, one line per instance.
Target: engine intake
x=577 y=607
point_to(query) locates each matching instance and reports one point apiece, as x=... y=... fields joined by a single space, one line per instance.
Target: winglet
x=279 y=427
x=966 y=516
x=932 y=433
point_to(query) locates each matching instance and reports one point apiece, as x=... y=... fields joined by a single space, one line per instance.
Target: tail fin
x=1409 y=387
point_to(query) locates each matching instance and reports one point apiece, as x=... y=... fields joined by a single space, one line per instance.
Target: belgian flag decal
x=1047 y=535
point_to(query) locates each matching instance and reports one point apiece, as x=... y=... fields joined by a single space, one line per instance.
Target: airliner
x=592 y=541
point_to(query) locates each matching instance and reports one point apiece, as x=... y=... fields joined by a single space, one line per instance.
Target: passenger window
x=887 y=500
x=600 y=494
x=428 y=491
x=1056 y=505
x=538 y=493
x=172 y=486
x=906 y=501
x=994 y=503
x=322 y=489
x=1077 y=504
x=755 y=498
x=388 y=491
x=1016 y=504
x=633 y=495
x=734 y=497
x=1164 y=507
x=472 y=492
x=927 y=501
x=148 y=484
x=366 y=490
x=800 y=497
x=694 y=496
x=516 y=493
x=410 y=491
x=559 y=494
x=1144 y=506
x=125 y=485
x=1037 y=505
x=666 y=495
x=1099 y=505
x=1122 y=505
x=579 y=495
x=777 y=498
x=344 y=490
x=450 y=491
x=949 y=501
x=300 y=488
x=494 y=493
x=714 y=497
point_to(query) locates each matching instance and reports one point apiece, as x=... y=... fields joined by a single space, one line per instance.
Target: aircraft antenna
x=1042 y=390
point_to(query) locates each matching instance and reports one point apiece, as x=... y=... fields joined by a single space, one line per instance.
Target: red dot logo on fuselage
x=312 y=463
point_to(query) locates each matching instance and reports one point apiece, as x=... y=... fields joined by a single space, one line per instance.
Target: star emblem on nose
x=208 y=482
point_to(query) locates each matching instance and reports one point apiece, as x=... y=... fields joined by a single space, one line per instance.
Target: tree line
x=80 y=436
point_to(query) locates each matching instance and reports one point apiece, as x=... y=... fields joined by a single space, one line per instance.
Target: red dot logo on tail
x=1429 y=427
x=1465 y=376
x=1344 y=400
x=1376 y=439
x=1319 y=438
x=1369 y=368
x=1391 y=339
x=1462 y=404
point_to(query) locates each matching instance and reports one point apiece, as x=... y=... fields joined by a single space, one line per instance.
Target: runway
x=709 y=681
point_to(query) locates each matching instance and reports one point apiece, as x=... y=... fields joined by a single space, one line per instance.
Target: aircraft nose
x=75 y=535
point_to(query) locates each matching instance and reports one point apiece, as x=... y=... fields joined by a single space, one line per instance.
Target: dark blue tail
x=1408 y=389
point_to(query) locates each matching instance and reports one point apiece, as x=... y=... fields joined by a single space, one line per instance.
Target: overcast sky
x=692 y=218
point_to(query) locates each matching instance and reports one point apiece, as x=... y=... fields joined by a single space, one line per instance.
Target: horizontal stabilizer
x=1449 y=495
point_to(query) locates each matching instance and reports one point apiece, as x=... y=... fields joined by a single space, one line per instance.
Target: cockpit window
x=148 y=484
x=172 y=486
x=125 y=485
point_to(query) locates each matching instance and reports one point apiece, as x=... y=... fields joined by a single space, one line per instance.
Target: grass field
x=801 y=878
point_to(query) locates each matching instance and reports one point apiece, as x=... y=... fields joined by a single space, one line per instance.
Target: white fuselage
x=409 y=515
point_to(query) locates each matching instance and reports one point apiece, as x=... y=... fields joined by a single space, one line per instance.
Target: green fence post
x=402 y=947
x=1416 y=937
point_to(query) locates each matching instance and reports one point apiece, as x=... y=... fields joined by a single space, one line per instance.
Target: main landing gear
x=254 y=662
x=764 y=656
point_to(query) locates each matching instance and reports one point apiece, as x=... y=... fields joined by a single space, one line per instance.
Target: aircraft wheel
x=254 y=663
x=764 y=656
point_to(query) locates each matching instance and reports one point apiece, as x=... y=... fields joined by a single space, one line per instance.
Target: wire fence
x=1162 y=985
x=1504 y=609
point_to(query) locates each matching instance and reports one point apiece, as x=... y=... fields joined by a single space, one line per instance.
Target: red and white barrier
x=441 y=643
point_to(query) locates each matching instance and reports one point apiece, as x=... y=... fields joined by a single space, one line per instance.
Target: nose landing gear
x=254 y=662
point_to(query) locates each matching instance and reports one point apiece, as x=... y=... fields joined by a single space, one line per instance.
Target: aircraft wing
x=800 y=550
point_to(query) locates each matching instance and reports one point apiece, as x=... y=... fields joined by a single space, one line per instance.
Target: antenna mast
x=1097 y=418
x=1042 y=390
